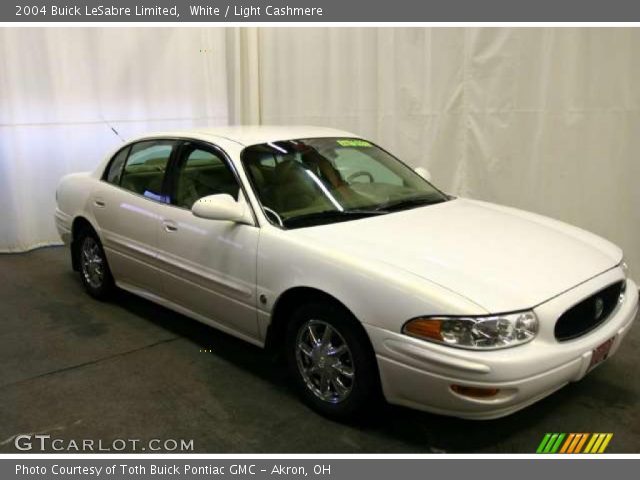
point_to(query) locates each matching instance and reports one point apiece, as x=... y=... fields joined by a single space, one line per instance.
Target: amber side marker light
x=475 y=392
x=424 y=328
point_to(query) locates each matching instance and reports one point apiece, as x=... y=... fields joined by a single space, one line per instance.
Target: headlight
x=477 y=333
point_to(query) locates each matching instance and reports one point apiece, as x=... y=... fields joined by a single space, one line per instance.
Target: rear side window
x=114 y=171
x=144 y=170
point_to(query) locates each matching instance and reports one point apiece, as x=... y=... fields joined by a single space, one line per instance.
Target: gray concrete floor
x=76 y=368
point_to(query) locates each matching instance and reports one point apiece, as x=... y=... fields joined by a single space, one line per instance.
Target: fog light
x=475 y=392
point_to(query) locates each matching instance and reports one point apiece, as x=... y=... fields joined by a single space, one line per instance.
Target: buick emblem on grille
x=598 y=307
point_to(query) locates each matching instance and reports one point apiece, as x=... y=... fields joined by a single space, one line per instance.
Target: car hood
x=502 y=259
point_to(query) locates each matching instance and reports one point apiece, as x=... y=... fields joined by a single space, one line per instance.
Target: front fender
x=375 y=292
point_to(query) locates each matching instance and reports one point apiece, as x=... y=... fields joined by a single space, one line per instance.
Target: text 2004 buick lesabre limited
x=368 y=278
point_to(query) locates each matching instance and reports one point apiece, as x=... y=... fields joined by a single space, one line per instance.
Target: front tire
x=331 y=361
x=94 y=269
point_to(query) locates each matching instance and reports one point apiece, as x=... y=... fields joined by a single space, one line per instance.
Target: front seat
x=295 y=190
x=186 y=193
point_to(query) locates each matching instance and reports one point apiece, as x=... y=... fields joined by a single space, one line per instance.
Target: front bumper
x=419 y=374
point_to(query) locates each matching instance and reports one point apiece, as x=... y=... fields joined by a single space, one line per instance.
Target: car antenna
x=113 y=129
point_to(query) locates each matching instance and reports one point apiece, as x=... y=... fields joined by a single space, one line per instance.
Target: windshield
x=325 y=180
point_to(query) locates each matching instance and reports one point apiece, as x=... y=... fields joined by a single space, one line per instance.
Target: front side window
x=325 y=180
x=144 y=170
x=202 y=172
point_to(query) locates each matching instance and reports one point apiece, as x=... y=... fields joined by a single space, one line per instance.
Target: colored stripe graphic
x=582 y=442
x=544 y=441
x=598 y=442
x=605 y=443
x=577 y=439
x=556 y=445
x=550 y=443
x=591 y=442
x=574 y=443
x=567 y=443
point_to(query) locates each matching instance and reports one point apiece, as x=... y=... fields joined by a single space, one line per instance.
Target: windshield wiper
x=327 y=216
x=409 y=203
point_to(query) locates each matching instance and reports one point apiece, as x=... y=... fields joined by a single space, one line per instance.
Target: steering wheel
x=360 y=173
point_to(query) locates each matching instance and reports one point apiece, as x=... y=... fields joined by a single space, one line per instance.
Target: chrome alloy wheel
x=324 y=361
x=92 y=263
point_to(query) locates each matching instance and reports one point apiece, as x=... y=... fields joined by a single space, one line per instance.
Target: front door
x=209 y=266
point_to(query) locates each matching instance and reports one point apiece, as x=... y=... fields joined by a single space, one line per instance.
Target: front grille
x=589 y=313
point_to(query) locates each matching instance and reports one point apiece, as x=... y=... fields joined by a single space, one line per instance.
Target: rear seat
x=143 y=182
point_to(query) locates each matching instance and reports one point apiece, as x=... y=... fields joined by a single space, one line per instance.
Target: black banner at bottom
x=125 y=468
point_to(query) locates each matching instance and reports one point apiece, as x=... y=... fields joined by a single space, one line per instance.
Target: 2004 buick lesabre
x=323 y=246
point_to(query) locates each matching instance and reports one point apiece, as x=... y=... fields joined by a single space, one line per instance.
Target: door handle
x=170 y=226
x=99 y=203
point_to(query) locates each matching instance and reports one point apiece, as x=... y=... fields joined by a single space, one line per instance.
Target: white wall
x=61 y=88
x=543 y=119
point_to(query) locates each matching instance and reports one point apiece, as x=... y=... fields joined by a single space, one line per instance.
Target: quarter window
x=144 y=171
x=203 y=173
x=114 y=172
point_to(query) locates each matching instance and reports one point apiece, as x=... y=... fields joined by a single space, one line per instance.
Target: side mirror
x=424 y=173
x=221 y=207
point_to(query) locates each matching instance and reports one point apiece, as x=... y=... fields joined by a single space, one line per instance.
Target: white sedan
x=318 y=244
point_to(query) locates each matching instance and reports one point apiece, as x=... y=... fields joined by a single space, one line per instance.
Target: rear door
x=126 y=207
x=209 y=266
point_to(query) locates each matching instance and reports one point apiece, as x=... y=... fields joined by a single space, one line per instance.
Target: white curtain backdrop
x=61 y=91
x=542 y=119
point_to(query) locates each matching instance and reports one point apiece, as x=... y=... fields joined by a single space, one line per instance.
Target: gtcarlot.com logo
x=574 y=443
x=44 y=443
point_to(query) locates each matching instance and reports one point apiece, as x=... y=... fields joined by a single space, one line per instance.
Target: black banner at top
x=320 y=11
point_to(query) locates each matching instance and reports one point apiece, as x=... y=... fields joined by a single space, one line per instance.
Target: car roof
x=252 y=134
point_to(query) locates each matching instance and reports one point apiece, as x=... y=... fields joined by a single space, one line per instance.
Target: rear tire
x=331 y=361
x=94 y=269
